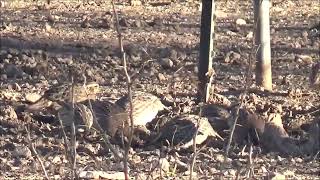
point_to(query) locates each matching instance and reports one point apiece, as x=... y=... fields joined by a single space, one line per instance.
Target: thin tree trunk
x=262 y=43
x=206 y=49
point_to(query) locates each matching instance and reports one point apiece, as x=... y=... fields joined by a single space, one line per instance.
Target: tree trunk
x=206 y=71
x=262 y=43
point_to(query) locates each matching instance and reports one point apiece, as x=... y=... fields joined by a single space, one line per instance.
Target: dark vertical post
x=262 y=43
x=206 y=71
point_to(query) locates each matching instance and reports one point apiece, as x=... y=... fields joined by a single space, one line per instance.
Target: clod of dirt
x=233 y=57
x=13 y=71
x=85 y=22
x=166 y=63
x=124 y=22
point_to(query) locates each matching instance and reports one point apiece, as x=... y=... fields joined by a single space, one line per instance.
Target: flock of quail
x=79 y=103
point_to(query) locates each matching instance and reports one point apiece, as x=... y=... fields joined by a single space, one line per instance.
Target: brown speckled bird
x=114 y=118
x=62 y=94
x=182 y=129
x=109 y=116
x=145 y=107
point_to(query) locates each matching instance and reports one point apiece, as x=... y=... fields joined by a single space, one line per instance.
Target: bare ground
x=81 y=35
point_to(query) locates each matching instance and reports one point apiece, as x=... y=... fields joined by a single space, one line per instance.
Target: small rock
x=47 y=27
x=9 y=56
x=24 y=57
x=135 y=3
x=219 y=158
x=3 y=77
x=299 y=160
x=232 y=172
x=304 y=59
x=166 y=63
x=161 y=77
x=231 y=33
x=278 y=176
x=163 y=163
x=249 y=35
x=56 y=160
x=241 y=22
x=32 y=97
x=67 y=60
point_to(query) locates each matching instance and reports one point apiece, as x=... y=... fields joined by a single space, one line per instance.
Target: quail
x=145 y=107
x=181 y=130
x=109 y=116
x=62 y=94
x=114 y=118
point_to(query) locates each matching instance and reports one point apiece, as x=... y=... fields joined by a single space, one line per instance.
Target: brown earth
x=39 y=44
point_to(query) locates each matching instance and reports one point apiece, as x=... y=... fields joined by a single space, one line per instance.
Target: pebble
x=32 y=97
x=161 y=77
x=166 y=63
x=249 y=35
x=241 y=22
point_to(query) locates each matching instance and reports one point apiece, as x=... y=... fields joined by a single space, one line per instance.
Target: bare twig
x=194 y=157
x=124 y=61
x=73 y=150
x=34 y=152
x=105 y=138
x=244 y=93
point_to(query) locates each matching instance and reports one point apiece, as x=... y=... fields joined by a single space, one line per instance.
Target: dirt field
x=39 y=43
